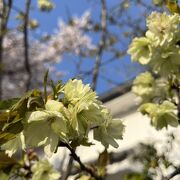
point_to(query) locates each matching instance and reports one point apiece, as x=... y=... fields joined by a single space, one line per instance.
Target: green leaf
x=6 y=161
x=137 y=176
x=35 y=102
x=21 y=105
x=5 y=137
x=103 y=159
x=14 y=127
x=45 y=85
x=102 y=162
x=80 y=140
x=11 y=121
x=54 y=89
x=8 y=131
x=7 y=104
x=3 y=176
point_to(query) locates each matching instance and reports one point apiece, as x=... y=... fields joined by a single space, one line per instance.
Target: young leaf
x=45 y=85
x=7 y=104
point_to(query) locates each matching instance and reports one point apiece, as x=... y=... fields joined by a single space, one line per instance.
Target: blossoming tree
x=64 y=116
x=23 y=65
x=159 y=88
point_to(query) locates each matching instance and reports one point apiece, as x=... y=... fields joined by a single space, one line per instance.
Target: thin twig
x=173 y=174
x=82 y=166
x=176 y=87
x=66 y=174
x=26 y=44
x=102 y=44
x=113 y=158
x=178 y=95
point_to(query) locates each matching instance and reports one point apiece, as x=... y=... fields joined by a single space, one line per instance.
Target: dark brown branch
x=113 y=158
x=173 y=174
x=68 y=169
x=1 y=48
x=78 y=67
x=178 y=105
x=9 y=7
x=102 y=44
x=82 y=166
x=26 y=44
x=6 y=9
x=176 y=86
x=66 y=174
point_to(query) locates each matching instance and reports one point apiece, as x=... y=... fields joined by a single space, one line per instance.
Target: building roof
x=116 y=92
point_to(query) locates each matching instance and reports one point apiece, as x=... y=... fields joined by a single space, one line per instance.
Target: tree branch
x=173 y=174
x=82 y=166
x=178 y=106
x=6 y=9
x=101 y=44
x=113 y=158
x=68 y=169
x=26 y=44
x=176 y=86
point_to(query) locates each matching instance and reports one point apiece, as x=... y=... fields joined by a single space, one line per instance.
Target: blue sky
x=66 y=8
